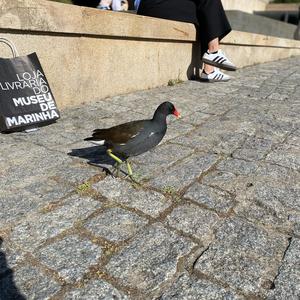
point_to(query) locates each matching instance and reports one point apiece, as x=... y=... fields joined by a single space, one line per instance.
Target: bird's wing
x=121 y=133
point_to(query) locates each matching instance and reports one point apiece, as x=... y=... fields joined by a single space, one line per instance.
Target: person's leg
x=213 y=26
x=213 y=22
x=213 y=46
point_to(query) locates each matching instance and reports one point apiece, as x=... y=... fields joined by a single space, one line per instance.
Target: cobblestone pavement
x=217 y=214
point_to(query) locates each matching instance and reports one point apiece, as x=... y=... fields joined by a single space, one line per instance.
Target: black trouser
x=208 y=16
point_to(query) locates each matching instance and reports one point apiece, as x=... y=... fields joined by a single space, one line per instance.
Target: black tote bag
x=26 y=100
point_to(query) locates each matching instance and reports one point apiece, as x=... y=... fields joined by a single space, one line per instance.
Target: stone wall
x=89 y=54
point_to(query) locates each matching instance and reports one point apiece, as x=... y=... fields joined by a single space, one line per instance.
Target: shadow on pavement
x=8 y=289
x=193 y=71
x=95 y=156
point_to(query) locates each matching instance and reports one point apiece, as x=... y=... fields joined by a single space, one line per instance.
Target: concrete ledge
x=89 y=54
x=245 y=5
x=242 y=21
x=53 y=17
x=283 y=7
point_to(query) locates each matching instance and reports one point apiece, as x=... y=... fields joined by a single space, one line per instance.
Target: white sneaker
x=214 y=76
x=218 y=59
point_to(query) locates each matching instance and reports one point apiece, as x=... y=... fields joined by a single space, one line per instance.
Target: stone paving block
x=185 y=172
x=196 y=118
x=237 y=166
x=287 y=156
x=185 y=107
x=215 y=108
x=278 y=197
x=294 y=139
x=16 y=205
x=196 y=141
x=248 y=237
x=149 y=202
x=120 y=100
x=105 y=109
x=41 y=163
x=295 y=219
x=96 y=290
x=28 y=282
x=36 y=229
x=242 y=272
x=177 y=128
x=282 y=117
x=269 y=172
x=220 y=125
x=210 y=197
x=261 y=122
x=74 y=174
x=264 y=215
x=253 y=149
x=150 y=259
x=193 y=220
x=60 y=133
x=186 y=287
x=71 y=257
x=229 y=142
x=244 y=256
x=46 y=189
x=30 y=194
x=159 y=158
x=278 y=96
x=287 y=282
x=226 y=181
x=17 y=152
x=244 y=114
x=274 y=132
x=136 y=104
x=95 y=115
x=116 y=224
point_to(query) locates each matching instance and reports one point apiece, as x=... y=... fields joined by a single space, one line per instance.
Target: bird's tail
x=98 y=135
x=89 y=138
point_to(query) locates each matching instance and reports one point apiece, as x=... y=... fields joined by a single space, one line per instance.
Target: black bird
x=135 y=137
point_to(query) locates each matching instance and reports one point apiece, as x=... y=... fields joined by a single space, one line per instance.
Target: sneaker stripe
x=216 y=58
x=222 y=61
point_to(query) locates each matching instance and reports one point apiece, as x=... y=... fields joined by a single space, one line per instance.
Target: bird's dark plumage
x=135 y=137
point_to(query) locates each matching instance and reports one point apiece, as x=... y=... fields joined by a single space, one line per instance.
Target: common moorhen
x=135 y=137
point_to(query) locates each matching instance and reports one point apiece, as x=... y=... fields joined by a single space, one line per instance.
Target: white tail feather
x=98 y=142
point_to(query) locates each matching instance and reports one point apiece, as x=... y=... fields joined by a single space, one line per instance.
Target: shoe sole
x=213 y=80
x=221 y=66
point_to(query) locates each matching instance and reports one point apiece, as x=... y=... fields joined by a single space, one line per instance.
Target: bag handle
x=11 y=45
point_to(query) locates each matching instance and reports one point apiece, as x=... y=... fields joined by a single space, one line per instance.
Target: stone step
x=242 y=21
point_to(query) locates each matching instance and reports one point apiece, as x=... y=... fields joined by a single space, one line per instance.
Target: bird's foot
x=136 y=178
x=116 y=170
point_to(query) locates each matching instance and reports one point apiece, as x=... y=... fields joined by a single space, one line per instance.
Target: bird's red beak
x=176 y=113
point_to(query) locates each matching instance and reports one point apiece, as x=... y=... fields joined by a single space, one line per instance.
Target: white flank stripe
x=98 y=142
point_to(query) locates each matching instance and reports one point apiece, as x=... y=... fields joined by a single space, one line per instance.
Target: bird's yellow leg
x=130 y=173
x=119 y=162
x=129 y=168
x=116 y=158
